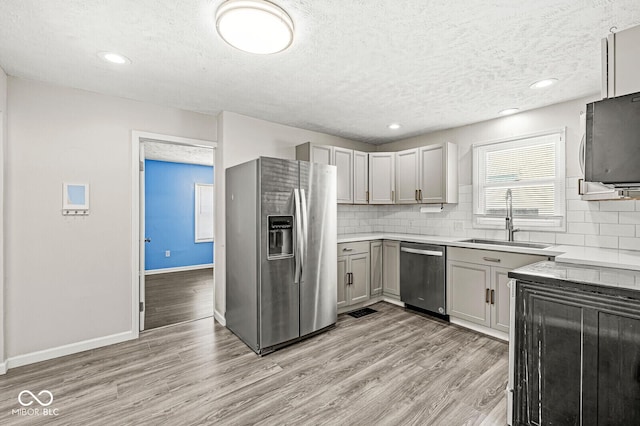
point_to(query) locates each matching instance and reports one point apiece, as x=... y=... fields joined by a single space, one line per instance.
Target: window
x=204 y=213
x=533 y=167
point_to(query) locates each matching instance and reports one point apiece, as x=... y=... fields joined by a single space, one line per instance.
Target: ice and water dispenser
x=280 y=237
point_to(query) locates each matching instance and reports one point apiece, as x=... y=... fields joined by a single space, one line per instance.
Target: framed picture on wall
x=75 y=196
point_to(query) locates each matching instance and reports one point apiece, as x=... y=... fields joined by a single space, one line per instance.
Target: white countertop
x=609 y=258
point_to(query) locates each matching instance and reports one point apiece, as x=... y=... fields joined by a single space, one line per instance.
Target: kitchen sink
x=506 y=243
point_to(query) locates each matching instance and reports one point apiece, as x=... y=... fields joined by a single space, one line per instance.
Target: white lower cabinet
x=500 y=299
x=391 y=268
x=478 y=285
x=469 y=285
x=376 y=268
x=354 y=273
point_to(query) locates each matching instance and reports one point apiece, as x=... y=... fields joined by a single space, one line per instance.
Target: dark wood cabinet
x=577 y=359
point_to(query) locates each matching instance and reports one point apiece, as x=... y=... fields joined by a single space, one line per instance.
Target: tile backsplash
x=605 y=224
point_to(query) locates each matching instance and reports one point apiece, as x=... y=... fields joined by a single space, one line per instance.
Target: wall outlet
x=458 y=226
x=167 y=253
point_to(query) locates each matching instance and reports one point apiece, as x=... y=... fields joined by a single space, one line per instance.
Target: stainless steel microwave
x=612 y=144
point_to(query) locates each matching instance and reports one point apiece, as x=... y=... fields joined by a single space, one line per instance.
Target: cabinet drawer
x=492 y=258
x=345 y=249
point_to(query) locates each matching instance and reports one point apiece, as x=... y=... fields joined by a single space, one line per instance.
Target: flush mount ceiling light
x=508 y=111
x=394 y=126
x=114 y=58
x=254 y=26
x=544 y=83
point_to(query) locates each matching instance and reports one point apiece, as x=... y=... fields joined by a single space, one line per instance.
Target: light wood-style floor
x=393 y=367
x=177 y=297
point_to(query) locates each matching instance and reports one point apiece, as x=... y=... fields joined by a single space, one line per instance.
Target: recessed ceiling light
x=254 y=26
x=544 y=83
x=114 y=58
x=394 y=126
x=508 y=111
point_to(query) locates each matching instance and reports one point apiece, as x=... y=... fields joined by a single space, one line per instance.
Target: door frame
x=137 y=269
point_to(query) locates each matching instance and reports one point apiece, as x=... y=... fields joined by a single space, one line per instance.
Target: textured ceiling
x=354 y=67
x=178 y=153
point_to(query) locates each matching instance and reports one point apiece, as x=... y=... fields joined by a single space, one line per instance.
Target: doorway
x=175 y=256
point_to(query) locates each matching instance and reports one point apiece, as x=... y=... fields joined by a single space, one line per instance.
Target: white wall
x=605 y=224
x=240 y=139
x=566 y=114
x=68 y=279
x=3 y=139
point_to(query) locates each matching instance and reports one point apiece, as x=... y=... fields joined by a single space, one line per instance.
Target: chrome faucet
x=509 y=218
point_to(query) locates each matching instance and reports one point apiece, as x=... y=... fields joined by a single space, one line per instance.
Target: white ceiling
x=354 y=67
x=178 y=153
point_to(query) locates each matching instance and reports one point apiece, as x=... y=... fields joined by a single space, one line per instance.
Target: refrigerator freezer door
x=318 y=287
x=279 y=294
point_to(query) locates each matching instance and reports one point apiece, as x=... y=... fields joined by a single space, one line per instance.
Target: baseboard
x=220 y=318
x=3 y=368
x=480 y=329
x=372 y=301
x=393 y=301
x=178 y=269
x=47 y=354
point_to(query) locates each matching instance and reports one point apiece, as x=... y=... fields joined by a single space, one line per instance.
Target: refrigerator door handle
x=305 y=229
x=299 y=243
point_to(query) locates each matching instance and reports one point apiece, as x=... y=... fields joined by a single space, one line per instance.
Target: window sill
x=551 y=224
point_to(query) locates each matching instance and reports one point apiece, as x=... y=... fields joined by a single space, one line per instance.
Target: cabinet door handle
x=416 y=196
x=367 y=195
x=493 y=297
x=486 y=296
x=347 y=249
x=419 y=194
x=492 y=259
x=350 y=278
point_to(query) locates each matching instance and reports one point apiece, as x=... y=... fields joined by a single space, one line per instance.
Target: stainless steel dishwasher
x=422 y=277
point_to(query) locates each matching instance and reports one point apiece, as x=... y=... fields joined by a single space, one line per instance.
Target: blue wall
x=169 y=214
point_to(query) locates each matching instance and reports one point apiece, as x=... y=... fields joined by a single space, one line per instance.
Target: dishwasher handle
x=423 y=252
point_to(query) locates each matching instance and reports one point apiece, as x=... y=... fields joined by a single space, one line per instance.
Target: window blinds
x=528 y=167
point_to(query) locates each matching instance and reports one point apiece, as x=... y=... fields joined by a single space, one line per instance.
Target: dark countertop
x=562 y=273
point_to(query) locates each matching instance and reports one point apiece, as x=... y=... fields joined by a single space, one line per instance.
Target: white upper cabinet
x=360 y=177
x=620 y=63
x=352 y=169
x=438 y=179
x=407 y=176
x=427 y=174
x=381 y=178
x=322 y=154
x=343 y=160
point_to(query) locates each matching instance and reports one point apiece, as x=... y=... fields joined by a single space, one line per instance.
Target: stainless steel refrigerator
x=281 y=251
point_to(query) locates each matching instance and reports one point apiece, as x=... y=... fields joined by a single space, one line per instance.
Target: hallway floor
x=178 y=297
